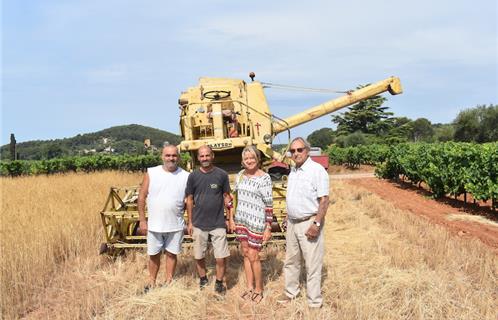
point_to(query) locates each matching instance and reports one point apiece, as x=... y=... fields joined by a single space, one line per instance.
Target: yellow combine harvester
x=227 y=115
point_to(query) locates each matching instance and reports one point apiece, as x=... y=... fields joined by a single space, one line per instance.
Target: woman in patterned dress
x=253 y=218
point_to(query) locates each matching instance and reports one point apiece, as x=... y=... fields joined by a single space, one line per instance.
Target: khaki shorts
x=218 y=239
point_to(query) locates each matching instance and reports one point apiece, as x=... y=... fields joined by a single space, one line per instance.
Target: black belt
x=298 y=220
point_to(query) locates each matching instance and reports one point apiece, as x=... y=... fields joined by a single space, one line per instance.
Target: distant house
x=108 y=149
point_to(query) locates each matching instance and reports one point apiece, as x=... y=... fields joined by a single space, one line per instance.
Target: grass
x=380 y=263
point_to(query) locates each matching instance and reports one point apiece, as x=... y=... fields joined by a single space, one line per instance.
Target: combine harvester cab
x=227 y=115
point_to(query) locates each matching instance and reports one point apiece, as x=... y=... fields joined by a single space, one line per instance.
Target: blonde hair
x=252 y=150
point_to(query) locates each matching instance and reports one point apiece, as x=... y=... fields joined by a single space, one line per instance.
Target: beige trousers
x=298 y=248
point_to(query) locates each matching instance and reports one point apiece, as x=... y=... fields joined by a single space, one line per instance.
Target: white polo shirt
x=306 y=184
x=165 y=201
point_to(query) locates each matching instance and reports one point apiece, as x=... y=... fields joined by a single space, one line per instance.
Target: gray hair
x=167 y=146
x=307 y=145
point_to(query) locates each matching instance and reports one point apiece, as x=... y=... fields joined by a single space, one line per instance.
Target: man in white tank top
x=164 y=189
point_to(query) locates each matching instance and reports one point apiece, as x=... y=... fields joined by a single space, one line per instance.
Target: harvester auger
x=227 y=115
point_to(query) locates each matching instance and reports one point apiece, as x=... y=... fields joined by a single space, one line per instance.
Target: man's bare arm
x=323 y=205
x=190 y=206
x=228 y=200
x=142 y=196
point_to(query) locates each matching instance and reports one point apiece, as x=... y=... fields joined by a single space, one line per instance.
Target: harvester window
x=203 y=132
x=233 y=131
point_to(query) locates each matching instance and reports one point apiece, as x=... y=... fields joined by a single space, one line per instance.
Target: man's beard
x=170 y=165
x=205 y=164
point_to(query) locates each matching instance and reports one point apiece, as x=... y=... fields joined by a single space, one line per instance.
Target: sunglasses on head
x=298 y=150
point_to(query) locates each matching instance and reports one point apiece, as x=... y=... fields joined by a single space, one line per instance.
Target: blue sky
x=72 y=67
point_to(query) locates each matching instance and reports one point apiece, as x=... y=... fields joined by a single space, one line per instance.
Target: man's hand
x=284 y=224
x=142 y=228
x=231 y=225
x=313 y=232
x=190 y=229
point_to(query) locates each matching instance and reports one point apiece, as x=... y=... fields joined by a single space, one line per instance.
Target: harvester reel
x=216 y=94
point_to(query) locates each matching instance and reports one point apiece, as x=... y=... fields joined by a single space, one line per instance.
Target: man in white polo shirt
x=307 y=203
x=164 y=189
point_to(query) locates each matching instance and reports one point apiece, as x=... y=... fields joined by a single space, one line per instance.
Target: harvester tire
x=103 y=248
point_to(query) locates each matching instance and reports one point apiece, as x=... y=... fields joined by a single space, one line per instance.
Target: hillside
x=126 y=139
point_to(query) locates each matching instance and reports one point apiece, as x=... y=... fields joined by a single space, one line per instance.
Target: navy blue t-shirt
x=208 y=189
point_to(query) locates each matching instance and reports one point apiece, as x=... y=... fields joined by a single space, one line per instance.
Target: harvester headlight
x=267 y=138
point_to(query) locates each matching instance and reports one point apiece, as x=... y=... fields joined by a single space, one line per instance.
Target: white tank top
x=165 y=201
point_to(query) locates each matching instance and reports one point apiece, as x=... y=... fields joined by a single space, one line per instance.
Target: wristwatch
x=316 y=223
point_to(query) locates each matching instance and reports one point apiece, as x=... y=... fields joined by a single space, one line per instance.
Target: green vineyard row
x=353 y=157
x=78 y=164
x=447 y=168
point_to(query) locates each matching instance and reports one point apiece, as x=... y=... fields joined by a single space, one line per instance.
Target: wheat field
x=380 y=263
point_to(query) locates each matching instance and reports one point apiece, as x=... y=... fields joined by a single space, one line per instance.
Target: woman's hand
x=267 y=233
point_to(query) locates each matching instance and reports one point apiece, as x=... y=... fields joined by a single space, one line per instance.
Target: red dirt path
x=415 y=200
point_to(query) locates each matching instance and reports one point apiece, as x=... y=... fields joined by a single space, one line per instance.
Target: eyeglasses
x=298 y=150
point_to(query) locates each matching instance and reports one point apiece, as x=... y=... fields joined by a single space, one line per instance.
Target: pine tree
x=367 y=116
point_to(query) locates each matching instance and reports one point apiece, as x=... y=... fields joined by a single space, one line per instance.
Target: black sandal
x=257 y=297
x=246 y=295
x=148 y=288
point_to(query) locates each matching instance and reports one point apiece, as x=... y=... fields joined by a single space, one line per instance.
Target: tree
x=401 y=130
x=489 y=124
x=351 y=140
x=12 y=147
x=321 y=138
x=53 y=150
x=422 y=130
x=443 y=132
x=466 y=126
x=128 y=147
x=367 y=116
x=479 y=124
